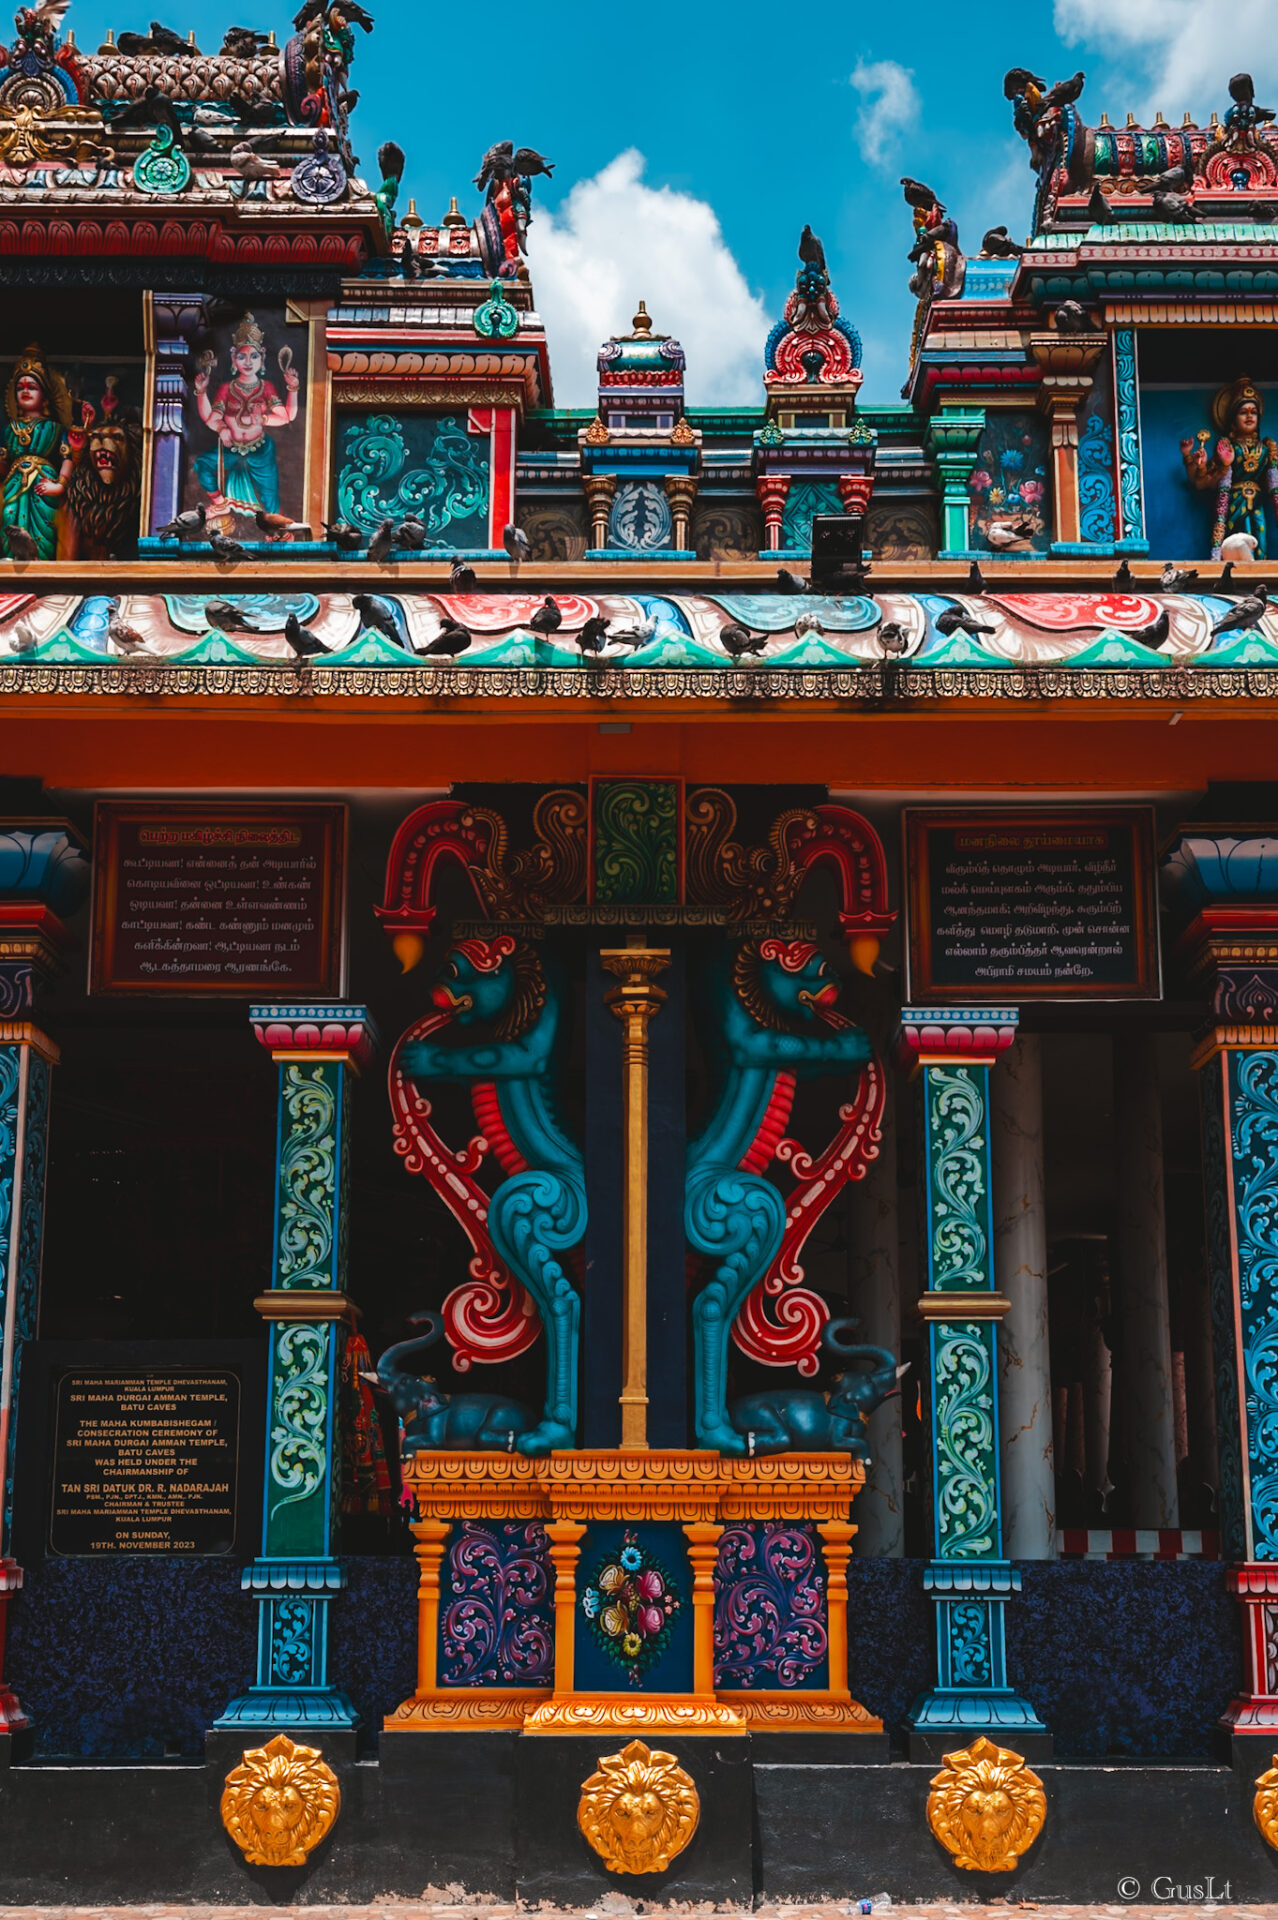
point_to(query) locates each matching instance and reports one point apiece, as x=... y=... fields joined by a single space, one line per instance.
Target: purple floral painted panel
x=496 y=1618
x=769 y=1608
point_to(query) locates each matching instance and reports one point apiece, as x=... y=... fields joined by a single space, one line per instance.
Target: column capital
x=955 y=1036
x=316 y=1029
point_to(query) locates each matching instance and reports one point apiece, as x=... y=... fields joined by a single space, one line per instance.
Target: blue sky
x=690 y=145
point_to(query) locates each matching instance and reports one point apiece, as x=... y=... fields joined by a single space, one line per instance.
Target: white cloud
x=1173 y=50
x=889 y=108
x=615 y=241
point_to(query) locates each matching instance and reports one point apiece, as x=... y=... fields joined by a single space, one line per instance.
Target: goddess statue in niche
x=39 y=448
x=1243 y=470
x=241 y=475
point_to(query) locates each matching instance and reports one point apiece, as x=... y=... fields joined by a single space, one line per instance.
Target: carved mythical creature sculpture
x=772 y=1013
x=433 y=1419
x=495 y=996
x=784 y=1417
x=1243 y=470
x=105 y=488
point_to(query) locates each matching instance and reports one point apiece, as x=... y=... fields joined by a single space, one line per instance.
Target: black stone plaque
x=1047 y=904
x=145 y=1462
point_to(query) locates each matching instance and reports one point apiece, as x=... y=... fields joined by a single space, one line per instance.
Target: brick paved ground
x=614 y=1906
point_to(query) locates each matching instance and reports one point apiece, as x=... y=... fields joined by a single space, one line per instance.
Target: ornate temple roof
x=651 y=635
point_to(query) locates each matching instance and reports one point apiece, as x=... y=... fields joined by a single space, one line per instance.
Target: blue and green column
x=318 y=1052
x=44 y=874
x=952 y=1052
x=1221 y=884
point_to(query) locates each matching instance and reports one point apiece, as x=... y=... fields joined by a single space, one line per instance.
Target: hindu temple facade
x=639 y=1045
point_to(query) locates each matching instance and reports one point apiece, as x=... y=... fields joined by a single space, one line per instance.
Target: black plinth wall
x=496 y=1814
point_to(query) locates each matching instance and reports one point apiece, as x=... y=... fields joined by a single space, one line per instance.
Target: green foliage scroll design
x=637 y=842
x=447 y=485
x=966 y=1469
x=307 y=1199
x=299 y=1413
x=958 y=1185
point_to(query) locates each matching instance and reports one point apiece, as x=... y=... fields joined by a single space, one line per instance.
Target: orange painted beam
x=331 y=745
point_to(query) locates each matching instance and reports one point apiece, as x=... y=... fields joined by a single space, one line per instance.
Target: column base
x=271 y=1710
x=636 y=1714
x=947 y=1718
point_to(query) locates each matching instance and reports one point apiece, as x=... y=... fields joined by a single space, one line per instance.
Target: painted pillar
x=318 y=1050
x=599 y=489
x=952 y=1051
x=954 y=440
x=773 y=490
x=1020 y=1271
x=876 y=1300
x=44 y=873
x=681 y=492
x=1131 y=486
x=1144 y=1313
x=175 y=319
x=1225 y=884
x=1067 y=362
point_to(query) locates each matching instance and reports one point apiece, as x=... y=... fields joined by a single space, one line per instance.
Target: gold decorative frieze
x=279 y=1803
x=635 y=1713
x=639 y=1810
x=986 y=1807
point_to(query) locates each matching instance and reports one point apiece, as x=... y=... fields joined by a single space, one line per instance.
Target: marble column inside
x=1020 y=1271
x=876 y=1301
x=1146 y=1476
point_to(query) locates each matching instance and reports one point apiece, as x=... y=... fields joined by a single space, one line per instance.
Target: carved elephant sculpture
x=785 y=1418
x=432 y=1419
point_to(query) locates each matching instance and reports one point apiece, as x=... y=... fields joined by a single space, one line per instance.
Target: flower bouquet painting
x=630 y=1605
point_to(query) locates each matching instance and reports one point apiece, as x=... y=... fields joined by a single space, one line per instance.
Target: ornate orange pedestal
x=702 y=1492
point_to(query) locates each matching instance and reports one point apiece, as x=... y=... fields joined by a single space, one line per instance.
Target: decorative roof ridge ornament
x=496 y=319
x=811 y=346
x=162 y=167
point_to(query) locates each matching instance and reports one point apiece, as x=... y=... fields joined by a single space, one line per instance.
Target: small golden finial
x=1158 y=117
x=1189 y=121
x=110 y=39
x=1104 y=119
x=70 y=39
x=453 y=218
x=190 y=39
x=1214 y=121
x=641 y=324
x=270 y=38
x=1131 y=119
x=412 y=218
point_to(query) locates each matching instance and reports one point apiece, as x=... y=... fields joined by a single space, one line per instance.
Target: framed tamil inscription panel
x=233 y=898
x=1043 y=904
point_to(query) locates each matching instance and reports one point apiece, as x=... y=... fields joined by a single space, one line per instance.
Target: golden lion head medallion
x=986 y=1807
x=279 y=1803
x=639 y=1811
x=1264 y=1807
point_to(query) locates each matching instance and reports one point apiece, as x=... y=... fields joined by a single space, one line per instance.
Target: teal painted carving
x=312 y=1116
x=803 y=502
x=958 y=1197
x=965 y=1438
x=433 y=1420
x=1127 y=406
x=636 y=842
x=1253 y=1146
x=424 y=466
x=496 y=319
x=640 y=520
x=769 y=1006
x=162 y=167
x=497 y=993
x=1097 y=505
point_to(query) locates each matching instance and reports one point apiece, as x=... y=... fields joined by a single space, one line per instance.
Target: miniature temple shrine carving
x=638 y=1042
